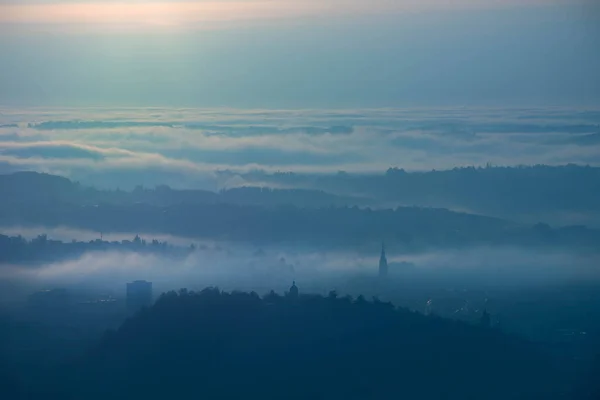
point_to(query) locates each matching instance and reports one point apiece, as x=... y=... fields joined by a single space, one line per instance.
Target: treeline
x=18 y=250
x=404 y=228
x=265 y=215
x=486 y=190
x=33 y=187
x=238 y=345
x=497 y=190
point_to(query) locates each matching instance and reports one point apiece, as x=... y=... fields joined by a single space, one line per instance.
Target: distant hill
x=263 y=215
x=220 y=345
x=568 y=194
x=33 y=187
x=36 y=187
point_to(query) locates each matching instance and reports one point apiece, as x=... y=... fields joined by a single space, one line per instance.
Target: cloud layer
x=185 y=147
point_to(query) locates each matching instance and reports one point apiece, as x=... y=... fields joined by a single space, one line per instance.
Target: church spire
x=293 y=291
x=383 y=265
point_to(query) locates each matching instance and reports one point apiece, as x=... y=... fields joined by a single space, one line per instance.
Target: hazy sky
x=299 y=54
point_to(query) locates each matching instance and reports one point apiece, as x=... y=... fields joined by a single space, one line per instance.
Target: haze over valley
x=299 y=200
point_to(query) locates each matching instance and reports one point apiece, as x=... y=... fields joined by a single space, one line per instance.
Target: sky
x=282 y=54
x=126 y=92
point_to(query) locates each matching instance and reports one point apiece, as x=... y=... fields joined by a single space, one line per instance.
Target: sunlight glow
x=163 y=13
x=177 y=14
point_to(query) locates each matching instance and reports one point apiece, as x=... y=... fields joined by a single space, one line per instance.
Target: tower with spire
x=293 y=291
x=383 y=265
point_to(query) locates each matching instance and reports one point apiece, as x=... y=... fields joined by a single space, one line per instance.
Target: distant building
x=293 y=290
x=383 y=265
x=139 y=294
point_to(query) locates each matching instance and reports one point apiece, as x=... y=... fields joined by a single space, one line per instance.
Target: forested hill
x=488 y=190
x=491 y=190
x=34 y=188
x=218 y=345
x=60 y=202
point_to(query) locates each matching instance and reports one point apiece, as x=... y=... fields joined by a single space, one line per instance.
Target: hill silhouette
x=34 y=188
x=489 y=190
x=218 y=345
x=263 y=216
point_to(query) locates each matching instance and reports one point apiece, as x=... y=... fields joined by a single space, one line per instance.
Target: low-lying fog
x=245 y=267
x=527 y=292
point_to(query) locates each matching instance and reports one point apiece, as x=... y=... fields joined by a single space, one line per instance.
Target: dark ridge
x=264 y=215
x=33 y=187
x=213 y=344
x=490 y=190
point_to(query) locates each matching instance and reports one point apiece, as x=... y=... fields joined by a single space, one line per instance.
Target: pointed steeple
x=383 y=265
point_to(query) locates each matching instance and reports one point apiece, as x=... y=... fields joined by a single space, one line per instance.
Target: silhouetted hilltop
x=36 y=187
x=33 y=187
x=490 y=190
x=410 y=228
x=214 y=345
x=500 y=191
x=234 y=215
